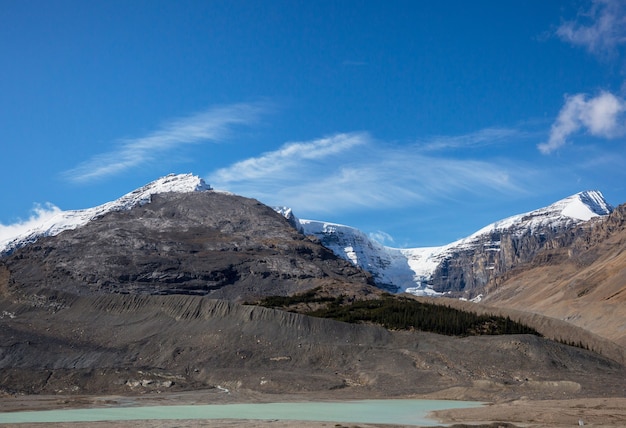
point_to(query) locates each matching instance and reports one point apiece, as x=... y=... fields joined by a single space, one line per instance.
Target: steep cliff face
x=472 y=262
x=469 y=269
x=591 y=236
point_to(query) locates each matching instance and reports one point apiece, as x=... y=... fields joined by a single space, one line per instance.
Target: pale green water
x=406 y=412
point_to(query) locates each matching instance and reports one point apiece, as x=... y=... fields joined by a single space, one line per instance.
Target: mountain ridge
x=67 y=220
x=422 y=271
x=198 y=243
x=582 y=283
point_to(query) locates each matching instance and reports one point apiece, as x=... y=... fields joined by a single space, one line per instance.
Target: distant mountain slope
x=583 y=283
x=463 y=267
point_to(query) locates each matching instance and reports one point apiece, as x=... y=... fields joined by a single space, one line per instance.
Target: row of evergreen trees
x=402 y=313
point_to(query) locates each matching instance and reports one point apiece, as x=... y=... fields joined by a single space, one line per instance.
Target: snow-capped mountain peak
x=586 y=205
x=582 y=206
x=177 y=183
x=53 y=221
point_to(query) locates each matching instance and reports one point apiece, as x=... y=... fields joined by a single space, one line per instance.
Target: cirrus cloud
x=353 y=171
x=288 y=158
x=480 y=138
x=210 y=125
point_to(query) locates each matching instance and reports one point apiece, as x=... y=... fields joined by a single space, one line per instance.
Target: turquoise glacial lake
x=403 y=412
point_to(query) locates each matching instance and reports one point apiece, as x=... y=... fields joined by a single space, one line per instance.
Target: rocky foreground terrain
x=138 y=343
x=149 y=302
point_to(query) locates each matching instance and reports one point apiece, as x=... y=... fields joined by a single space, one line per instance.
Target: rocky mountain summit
x=196 y=241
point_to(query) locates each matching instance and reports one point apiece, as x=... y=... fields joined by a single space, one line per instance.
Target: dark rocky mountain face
x=201 y=243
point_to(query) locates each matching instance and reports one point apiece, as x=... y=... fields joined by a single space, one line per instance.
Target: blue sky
x=417 y=122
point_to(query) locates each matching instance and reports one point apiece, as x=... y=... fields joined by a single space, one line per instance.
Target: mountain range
x=463 y=267
x=565 y=261
x=460 y=269
x=152 y=291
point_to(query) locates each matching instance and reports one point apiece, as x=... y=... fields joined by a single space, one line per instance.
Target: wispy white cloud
x=209 y=125
x=353 y=171
x=600 y=30
x=287 y=159
x=480 y=138
x=600 y=116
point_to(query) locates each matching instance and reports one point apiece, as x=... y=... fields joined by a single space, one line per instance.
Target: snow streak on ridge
x=58 y=220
